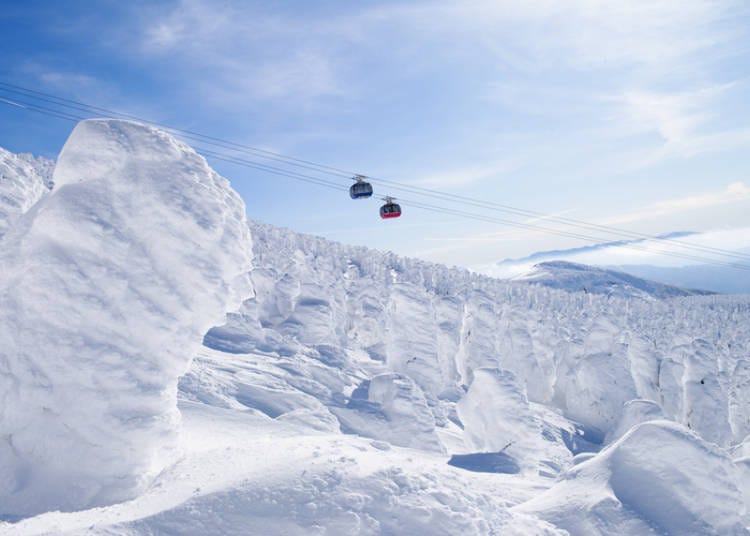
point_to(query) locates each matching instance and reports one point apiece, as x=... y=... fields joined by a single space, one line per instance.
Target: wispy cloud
x=734 y=192
x=72 y=83
x=683 y=121
x=634 y=252
x=459 y=177
x=581 y=33
x=245 y=54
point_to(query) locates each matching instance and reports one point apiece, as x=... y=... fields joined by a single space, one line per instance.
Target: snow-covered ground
x=353 y=392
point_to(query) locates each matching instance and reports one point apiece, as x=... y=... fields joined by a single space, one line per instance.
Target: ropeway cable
x=322 y=168
x=424 y=206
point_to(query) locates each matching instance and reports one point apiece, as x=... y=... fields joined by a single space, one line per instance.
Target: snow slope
x=358 y=392
x=496 y=363
x=581 y=278
x=658 y=479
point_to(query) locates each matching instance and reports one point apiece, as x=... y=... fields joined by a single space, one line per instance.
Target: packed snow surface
x=108 y=285
x=358 y=392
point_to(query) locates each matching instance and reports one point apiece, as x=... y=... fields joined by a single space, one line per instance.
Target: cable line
x=322 y=168
x=341 y=174
x=474 y=216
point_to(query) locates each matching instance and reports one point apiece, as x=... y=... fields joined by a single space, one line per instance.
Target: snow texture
x=23 y=181
x=657 y=479
x=354 y=392
x=107 y=286
x=361 y=313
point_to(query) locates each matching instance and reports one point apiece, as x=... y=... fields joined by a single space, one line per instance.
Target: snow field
x=354 y=392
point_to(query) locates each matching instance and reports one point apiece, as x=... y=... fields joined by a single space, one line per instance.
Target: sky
x=632 y=114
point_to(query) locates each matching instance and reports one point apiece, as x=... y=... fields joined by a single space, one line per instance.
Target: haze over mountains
x=692 y=275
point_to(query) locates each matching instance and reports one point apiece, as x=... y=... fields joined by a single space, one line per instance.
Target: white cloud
x=238 y=41
x=682 y=120
x=240 y=54
x=650 y=252
x=734 y=192
x=459 y=177
x=584 y=33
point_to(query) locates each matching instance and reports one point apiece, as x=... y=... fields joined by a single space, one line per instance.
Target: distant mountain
x=580 y=277
x=723 y=279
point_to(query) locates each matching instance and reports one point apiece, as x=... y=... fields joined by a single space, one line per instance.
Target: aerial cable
x=227 y=144
x=424 y=206
x=555 y=219
x=322 y=168
x=395 y=185
x=212 y=154
x=490 y=219
x=480 y=217
x=270 y=169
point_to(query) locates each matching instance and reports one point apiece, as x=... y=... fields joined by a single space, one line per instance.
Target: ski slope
x=347 y=391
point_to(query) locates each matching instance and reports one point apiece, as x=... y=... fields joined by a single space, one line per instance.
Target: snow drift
x=658 y=479
x=107 y=286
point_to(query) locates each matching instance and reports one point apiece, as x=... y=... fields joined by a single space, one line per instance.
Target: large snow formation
x=358 y=392
x=107 y=286
x=658 y=479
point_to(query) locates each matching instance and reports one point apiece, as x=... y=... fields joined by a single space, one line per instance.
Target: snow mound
x=575 y=277
x=107 y=286
x=634 y=412
x=497 y=417
x=23 y=181
x=391 y=407
x=659 y=478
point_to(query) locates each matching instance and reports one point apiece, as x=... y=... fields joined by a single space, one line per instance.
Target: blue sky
x=633 y=114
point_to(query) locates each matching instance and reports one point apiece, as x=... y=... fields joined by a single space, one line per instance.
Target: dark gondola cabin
x=390 y=210
x=360 y=189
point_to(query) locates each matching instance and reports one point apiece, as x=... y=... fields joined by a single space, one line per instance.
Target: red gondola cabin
x=390 y=209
